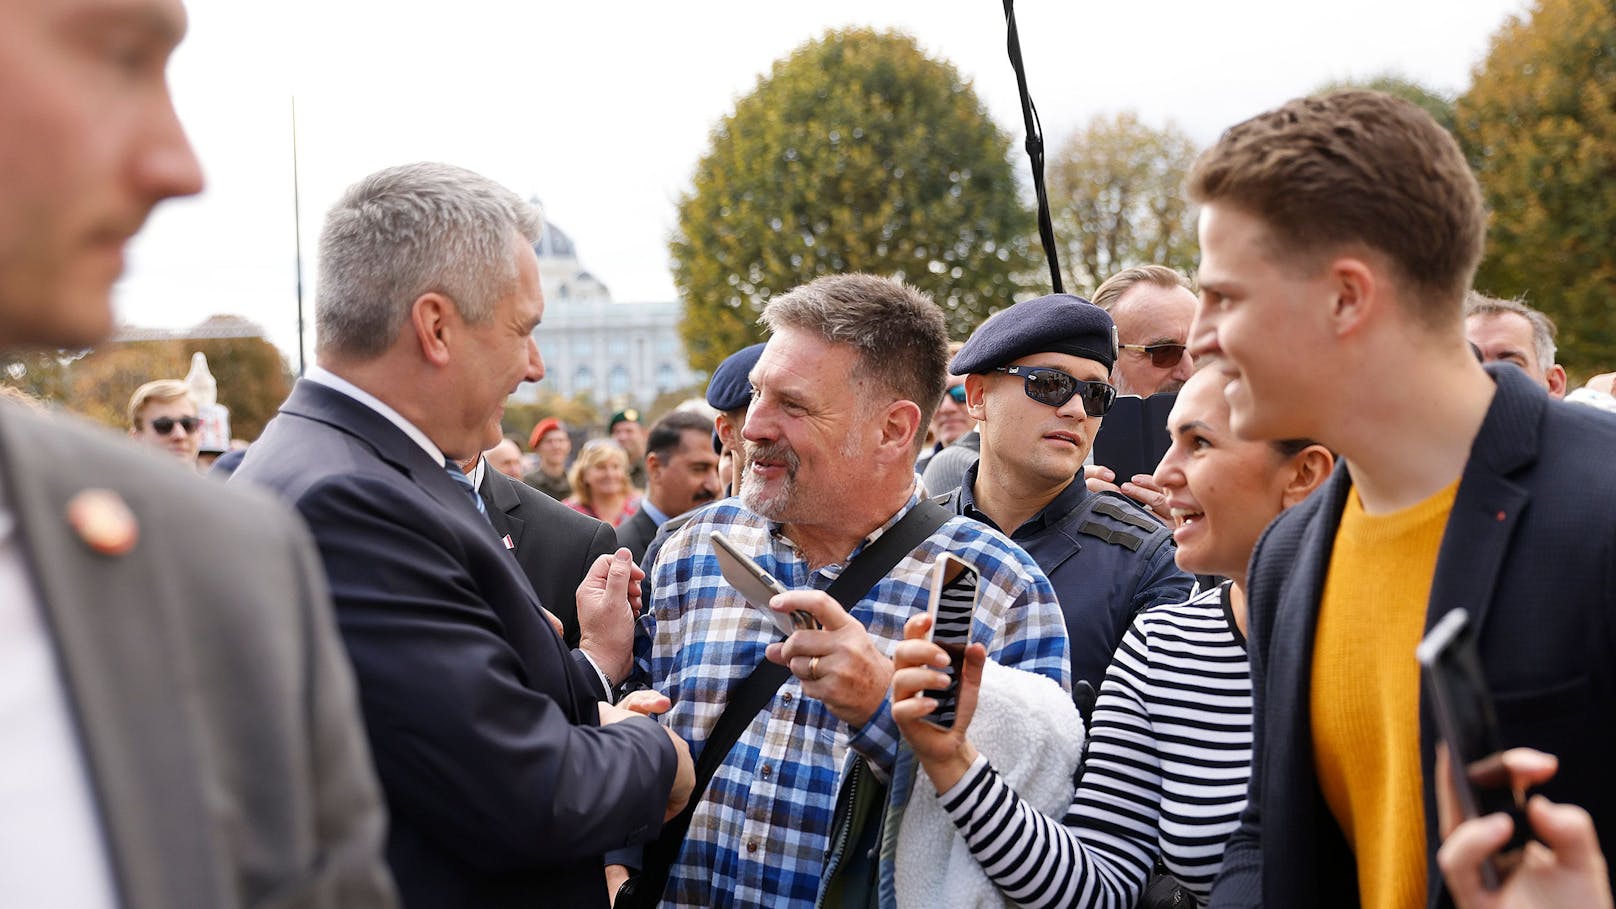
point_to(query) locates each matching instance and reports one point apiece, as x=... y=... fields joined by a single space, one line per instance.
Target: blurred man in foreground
x=178 y=715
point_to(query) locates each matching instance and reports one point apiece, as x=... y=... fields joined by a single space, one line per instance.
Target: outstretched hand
x=608 y=602
x=920 y=665
x=1142 y=489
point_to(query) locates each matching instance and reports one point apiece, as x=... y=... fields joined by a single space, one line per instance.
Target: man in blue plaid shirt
x=851 y=374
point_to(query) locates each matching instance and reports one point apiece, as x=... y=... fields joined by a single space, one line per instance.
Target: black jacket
x=503 y=789
x=554 y=544
x=1530 y=551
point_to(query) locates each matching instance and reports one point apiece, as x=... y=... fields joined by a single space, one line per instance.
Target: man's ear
x=653 y=466
x=975 y=387
x=899 y=426
x=1312 y=466
x=1356 y=293
x=729 y=435
x=1557 y=381
x=432 y=317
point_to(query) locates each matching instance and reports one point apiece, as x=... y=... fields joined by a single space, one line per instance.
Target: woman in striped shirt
x=1169 y=749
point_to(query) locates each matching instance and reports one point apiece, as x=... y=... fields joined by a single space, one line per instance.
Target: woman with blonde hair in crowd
x=600 y=486
x=1169 y=748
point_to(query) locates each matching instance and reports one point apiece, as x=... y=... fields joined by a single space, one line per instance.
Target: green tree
x=1539 y=126
x=1437 y=103
x=252 y=375
x=1116 y=199
x=855 y=153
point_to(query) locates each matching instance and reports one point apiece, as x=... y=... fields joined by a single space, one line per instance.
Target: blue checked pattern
x=760 y=836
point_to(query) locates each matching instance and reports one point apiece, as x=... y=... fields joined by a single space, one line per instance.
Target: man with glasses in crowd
x=1035 y=383
x=162 y=414
x=1152 y=306
x=950 y=423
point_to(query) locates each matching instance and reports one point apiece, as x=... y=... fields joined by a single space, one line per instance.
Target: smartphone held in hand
x=951 y=605
x=756 y=585
x=1469 y=728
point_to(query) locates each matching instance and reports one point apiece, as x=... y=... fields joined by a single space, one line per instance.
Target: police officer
x=1037 y=384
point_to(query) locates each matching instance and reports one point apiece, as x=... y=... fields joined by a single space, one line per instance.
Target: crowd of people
x=384 y=657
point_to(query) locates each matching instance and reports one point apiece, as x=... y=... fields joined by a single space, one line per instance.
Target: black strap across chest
x=752 y=695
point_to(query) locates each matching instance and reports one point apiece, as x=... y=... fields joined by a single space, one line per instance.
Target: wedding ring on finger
x=813 y=669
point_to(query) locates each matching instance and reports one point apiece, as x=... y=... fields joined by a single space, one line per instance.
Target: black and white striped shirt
x=1169 y=756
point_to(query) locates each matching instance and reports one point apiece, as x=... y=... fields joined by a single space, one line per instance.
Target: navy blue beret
x=731 y=385
x=1058 y=323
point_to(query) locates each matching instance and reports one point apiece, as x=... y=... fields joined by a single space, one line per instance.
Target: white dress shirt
x=51 y=847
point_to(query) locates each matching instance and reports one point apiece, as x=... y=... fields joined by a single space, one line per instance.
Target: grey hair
x=898 y=331
x=412 y=230
x=1543 y=328
x=1112 y=288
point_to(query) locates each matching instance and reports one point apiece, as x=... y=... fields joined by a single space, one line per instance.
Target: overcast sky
x=602 y=109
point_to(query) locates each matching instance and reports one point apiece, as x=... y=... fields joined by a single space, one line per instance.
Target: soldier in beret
x=627 y=431
x=1037 y=385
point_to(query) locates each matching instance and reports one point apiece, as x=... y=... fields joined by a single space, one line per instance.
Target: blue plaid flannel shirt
x=760 y=836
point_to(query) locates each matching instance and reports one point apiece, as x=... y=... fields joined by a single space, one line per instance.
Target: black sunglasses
x=1053 y=387
x=1162 y=356
x=957 y=392
x=165 y=425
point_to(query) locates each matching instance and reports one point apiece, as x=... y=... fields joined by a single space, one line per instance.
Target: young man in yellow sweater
x=1338 y=238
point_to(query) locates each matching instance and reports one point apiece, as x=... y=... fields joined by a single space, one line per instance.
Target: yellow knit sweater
x=1365 y=699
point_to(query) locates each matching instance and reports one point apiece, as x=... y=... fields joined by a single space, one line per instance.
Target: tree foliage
x=252 y=375
x=1437 y=103
x=855 y=153
x=1116 y=199
x=1539 y=126
x=577 y=412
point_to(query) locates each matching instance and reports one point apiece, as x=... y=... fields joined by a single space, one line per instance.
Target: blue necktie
x=465 y=484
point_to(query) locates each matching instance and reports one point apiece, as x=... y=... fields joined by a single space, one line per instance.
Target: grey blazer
x=215 y=705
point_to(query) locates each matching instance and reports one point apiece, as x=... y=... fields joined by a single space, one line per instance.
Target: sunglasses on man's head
x=165 y=425
x=1053 y=387
x=957 y=392
x=1162 y=356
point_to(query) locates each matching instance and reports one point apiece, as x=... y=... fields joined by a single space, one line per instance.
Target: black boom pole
x=1035 y=148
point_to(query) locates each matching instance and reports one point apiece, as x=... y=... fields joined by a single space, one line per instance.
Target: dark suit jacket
x=214 y=705
x=636 y=533
x=1530 y=551
x=502 y=788
x=554 y=544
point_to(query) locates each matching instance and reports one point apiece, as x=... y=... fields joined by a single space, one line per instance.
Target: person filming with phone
x=829 y=509
x=1169 y=747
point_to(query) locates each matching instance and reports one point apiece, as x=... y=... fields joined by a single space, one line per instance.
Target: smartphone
x=756 y=585
x=1469 y=727
x=952 y=606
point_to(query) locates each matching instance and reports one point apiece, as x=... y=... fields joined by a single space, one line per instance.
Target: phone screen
x=952 y=605
x=1469 y=727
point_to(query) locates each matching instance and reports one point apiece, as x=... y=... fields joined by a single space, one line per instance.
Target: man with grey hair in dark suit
x=507 y=774
x=178 y=716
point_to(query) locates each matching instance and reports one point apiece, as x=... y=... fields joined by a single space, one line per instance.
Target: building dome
x=555 y=244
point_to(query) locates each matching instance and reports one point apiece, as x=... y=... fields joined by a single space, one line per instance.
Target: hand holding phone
x=1469 y=728
x=952 y=607
x=756 y=585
